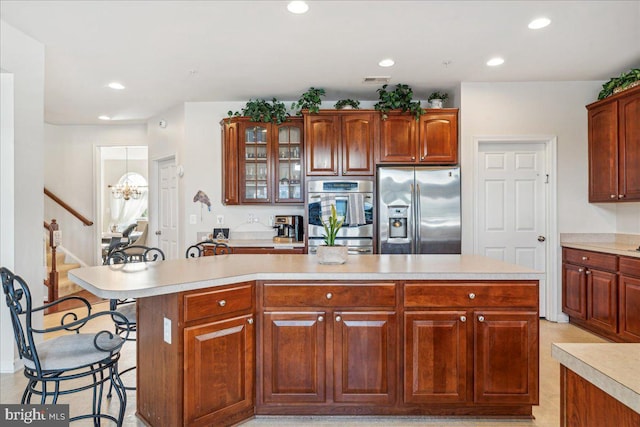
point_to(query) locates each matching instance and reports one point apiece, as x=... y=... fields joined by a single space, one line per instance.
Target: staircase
x=65 y=285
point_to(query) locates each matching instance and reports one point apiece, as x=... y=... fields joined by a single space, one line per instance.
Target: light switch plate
x=193 y=219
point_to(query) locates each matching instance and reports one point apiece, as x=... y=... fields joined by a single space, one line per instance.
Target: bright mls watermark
x=34 y=415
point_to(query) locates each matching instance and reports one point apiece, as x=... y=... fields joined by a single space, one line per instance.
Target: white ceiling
x=168 y=52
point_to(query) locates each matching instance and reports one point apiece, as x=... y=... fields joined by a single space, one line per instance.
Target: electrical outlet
x=220 y=219
x=193 y=219
x=167 y=330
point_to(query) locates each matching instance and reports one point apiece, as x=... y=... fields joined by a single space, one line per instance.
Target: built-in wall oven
x=353 y=200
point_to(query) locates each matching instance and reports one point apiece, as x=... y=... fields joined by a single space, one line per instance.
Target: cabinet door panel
x=219 y=370
x=255 y=166
x=398 y=138
x=435 y=356
x=230 y=165
x=364 y=357
x=630 y=308
x=357 y=144
x=574 y=291
x=506 y=357
x=294 y=357
x=603 y=152
x=438 y=138
x=322 y=136
x=629 y=140
x=602 y=297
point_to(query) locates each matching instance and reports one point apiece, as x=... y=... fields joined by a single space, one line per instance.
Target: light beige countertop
x=613 y=368
x=616 y=244
x=165 y=277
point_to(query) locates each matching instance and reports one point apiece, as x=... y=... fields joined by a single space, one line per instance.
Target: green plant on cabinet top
x=310 y=100
x=622 y=81
x=346 y=103
x=262 y=111
x=438 y=95
x=400 y=98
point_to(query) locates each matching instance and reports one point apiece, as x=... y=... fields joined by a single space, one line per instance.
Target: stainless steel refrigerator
x=419 y=210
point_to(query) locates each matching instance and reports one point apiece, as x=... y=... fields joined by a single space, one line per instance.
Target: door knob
x=541 y=238
x=159 y=232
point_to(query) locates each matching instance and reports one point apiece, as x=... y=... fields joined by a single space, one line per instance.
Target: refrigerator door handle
x=412 y=219
x=418 y=218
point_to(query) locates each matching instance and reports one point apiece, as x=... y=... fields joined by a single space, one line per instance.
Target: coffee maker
x=290 y=228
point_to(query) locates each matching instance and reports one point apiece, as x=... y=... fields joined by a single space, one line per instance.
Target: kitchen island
x=223 y=338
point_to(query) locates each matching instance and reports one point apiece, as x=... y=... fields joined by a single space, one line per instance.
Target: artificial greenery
x=622 y=81
x=263 y=111
x=347 y=102
x=399 y=98
x=331 y=227
x=310 y=100
x=438 y=95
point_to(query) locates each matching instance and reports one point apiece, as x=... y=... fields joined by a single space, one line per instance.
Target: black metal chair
x=69 y=363
x=197 y=250
x=127 y=307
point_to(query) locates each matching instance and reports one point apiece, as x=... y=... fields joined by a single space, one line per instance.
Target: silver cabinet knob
x=480 y=318
x=472 y=296
x=222 y=303
x=621 y=196
x=463 y=318
x=250 y=320
x=320 y=318
x=338 y=318
x=584 y=258
x=413 y=158
x=613 y=196
x=587 y=272
x=580 y=270
x=329 y=295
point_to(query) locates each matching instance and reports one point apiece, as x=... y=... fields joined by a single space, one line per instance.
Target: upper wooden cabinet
x=431 y=140
x=614 y=148
x=262 y=162
x=340 y=142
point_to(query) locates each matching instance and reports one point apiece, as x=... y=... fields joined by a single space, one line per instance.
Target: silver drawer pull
x=472 y=295
x=250 y=320
x=480 y=318
x=338 y=318
x=584 y=258
x=463 y=318
x=222 y=303
x=329 y=295
x=320 y=318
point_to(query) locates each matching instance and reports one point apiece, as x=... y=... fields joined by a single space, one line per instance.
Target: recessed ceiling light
x=495 y=61
x=104 y=118
x=388 y=62
x=116 y=85
x=538 y=23
x=297 y=7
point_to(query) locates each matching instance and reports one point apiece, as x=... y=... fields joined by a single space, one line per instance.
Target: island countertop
x=139 y=280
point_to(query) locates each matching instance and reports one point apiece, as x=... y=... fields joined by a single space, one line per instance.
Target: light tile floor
x=547 y=414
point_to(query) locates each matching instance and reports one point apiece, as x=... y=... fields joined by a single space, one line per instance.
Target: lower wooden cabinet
x=218 y=370
x=629 y=299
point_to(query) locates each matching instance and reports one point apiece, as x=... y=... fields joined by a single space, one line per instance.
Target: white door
x=511 y=199
x=168 y=208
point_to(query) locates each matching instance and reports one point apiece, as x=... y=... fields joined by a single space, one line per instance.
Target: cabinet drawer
x=503 y=294
x=590 y=259
x=215 y=303
x=329 y=295
x=630 y=266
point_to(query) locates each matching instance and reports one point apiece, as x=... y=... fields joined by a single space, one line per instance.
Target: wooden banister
x=52 y=282
x=72 y=211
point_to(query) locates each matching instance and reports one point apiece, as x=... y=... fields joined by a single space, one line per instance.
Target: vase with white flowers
x=330 y=253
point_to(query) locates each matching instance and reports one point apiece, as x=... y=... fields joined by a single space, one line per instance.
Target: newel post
x=54 y=240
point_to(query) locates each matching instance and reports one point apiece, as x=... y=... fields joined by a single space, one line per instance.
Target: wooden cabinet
x=492 y=344
x=262 y=162
x=590 y=290
x=198 y=367
x=343 y=353
x=431 y=140
x=340 y=143
x=614 y=148
x=629 y=299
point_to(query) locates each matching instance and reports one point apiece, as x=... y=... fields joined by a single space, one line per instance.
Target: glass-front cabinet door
x=288 y=163
x=255 y=153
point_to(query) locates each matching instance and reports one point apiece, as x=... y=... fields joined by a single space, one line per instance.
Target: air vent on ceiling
x=376 y=80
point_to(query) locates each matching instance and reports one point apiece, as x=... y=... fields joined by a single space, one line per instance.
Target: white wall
x=23 y=57
x=69 y=173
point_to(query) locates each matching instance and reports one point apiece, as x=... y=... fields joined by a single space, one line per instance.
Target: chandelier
x=126 y=190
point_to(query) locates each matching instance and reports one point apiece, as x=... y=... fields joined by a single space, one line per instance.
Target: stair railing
x=58 y=200
x=54 y=240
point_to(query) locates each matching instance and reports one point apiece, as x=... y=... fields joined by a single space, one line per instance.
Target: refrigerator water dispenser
x=398 y=216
